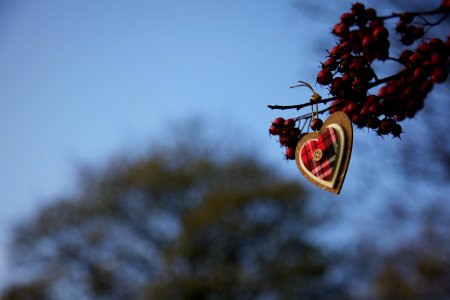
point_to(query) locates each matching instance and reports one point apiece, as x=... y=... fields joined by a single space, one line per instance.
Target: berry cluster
x=404 y=95
x=409 y=33
x=363 y=39
x=288 y=133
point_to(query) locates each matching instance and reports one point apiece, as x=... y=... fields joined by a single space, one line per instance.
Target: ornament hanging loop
x=315 y=97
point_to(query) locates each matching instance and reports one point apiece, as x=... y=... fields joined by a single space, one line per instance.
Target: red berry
x=426 y=65
x=386 y=126
x=336 y=51
x=353 y=38
x=407 y=39
x=436 y=43
x=439 y=74
x=295 y=133
x=371 y=99
x=376 y=23
x=417 y=33
x=358 y=8
x=415 y=59
x=367 y=41
x=289 y=123
x=336 y=105
x=348 y=19
x=404 y=57
x=316 y=124
x=373 y=122
x=324 y=77
x=418 y=74
x=406 y=17
x=359 y=121
x=330 y=64
x=278 y=122
x=290 y=153
x=406 y=92
x=273 y=130
x=400 y=117
x=447 y=45
x=340 y=29
x=375 y=109
x=437 y=58
x=346 y=57
x=336 y=85
x=413 y=105
x=357 y=84
x=396 y=130
x=392 y=88
x=425 y=86
x=411 y=113
x=382 y=92
x=364 y=111
x=356 y=65
x=380 y=33
x=401 y=27
x=351 y=107
x=345 y=47
x=362 y=20
x=445 y=4
x=284 y=140
x=424 y=48
x=371 y=13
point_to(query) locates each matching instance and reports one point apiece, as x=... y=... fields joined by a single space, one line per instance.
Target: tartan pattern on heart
x=328 y=144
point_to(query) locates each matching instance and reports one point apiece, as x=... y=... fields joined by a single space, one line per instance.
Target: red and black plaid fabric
x=328 y=144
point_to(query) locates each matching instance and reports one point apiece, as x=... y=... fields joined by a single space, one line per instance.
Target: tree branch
x=428 y=23
x=386 y=79
x=414 y=14
x=300 y=106
x=309 y=115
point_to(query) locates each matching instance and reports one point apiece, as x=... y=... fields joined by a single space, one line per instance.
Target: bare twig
x=310 y=115
x=431 y=12
x=300 y=106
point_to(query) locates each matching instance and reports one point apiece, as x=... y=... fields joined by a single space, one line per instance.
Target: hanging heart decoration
x=323 y=156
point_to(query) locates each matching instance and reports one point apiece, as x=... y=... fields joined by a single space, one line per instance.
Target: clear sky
x=82 y=79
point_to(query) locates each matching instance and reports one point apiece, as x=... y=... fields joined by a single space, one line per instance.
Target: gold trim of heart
x=339 y=121
x=337 y=163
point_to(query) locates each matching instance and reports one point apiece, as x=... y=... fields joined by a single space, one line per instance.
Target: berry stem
x=304 y=124
x=369 y=66
x=386 y=79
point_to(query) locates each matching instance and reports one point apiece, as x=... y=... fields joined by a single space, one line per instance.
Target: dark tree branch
x=414 y=14
x=300 y=106
x=386 y=79
x=309 y=115
x=428 y=23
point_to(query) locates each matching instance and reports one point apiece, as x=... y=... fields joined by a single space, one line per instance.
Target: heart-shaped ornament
x=323 y=157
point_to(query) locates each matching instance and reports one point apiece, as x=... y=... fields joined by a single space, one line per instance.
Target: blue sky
x=80 y=80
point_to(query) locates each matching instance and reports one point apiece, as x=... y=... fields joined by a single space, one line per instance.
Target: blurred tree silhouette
x=415 y=269
x=177 y=224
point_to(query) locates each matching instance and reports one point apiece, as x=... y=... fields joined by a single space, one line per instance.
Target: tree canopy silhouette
x=178 y=223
